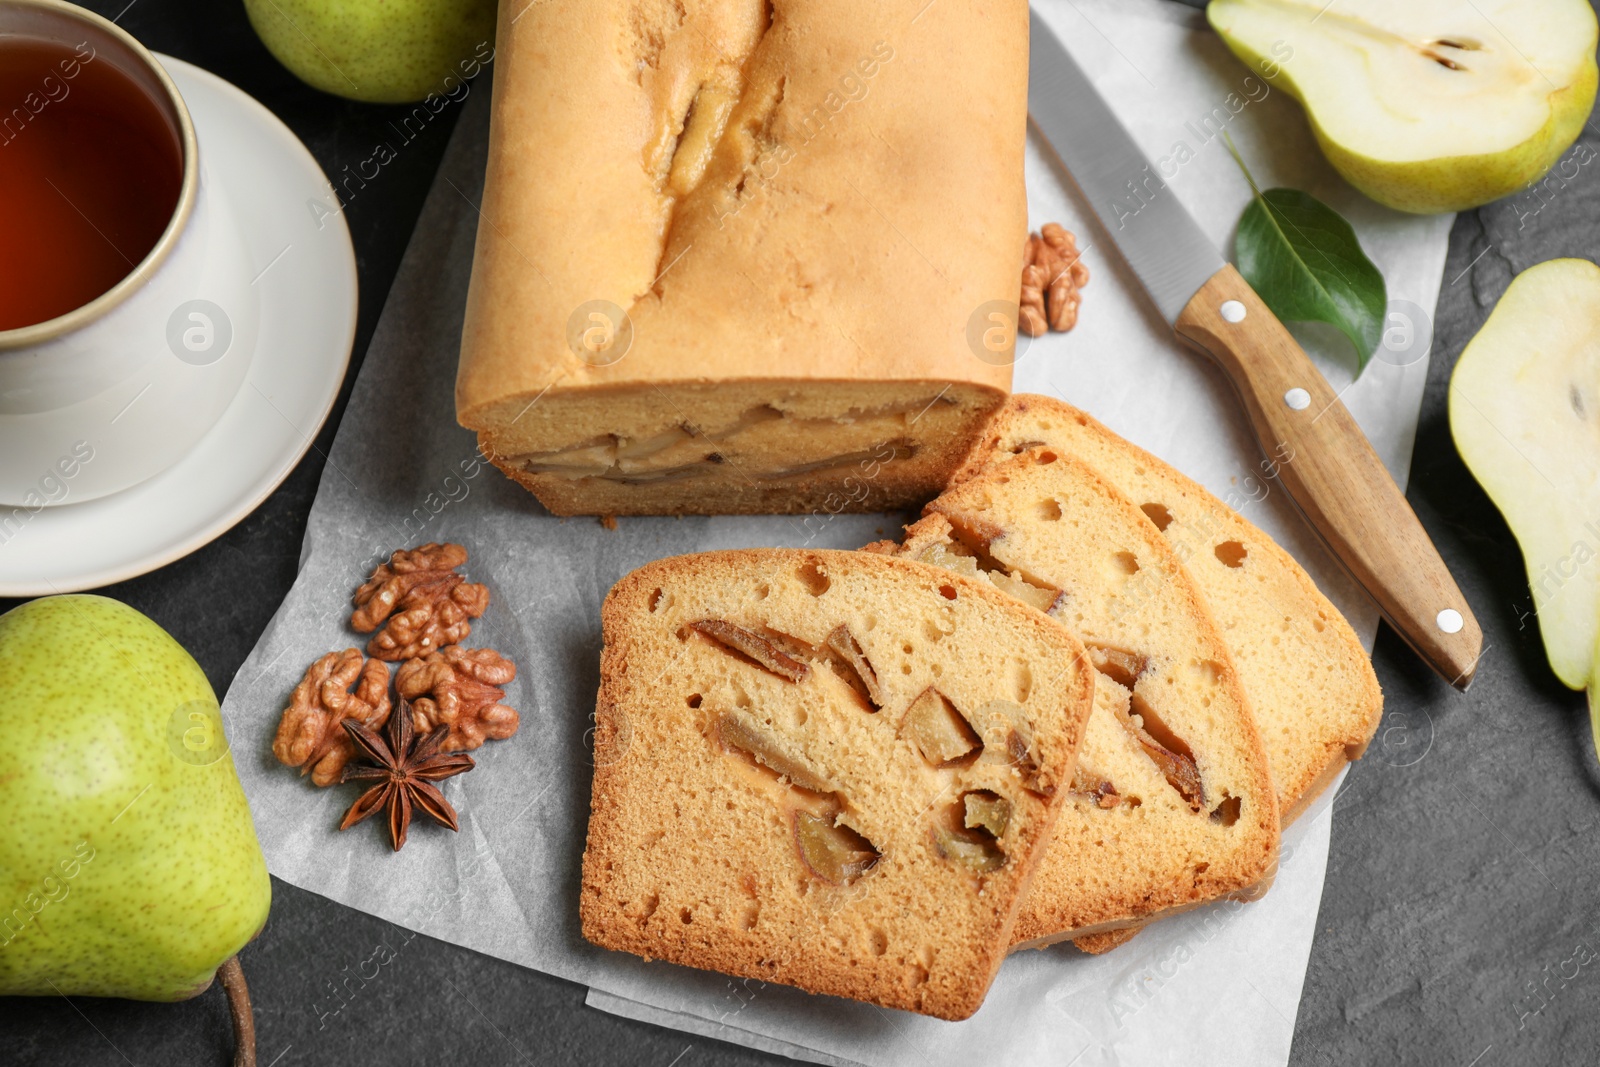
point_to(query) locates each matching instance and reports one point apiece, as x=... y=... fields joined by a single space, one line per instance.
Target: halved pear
x=1594 y=714
x=1427 y=105
x=1525 y=415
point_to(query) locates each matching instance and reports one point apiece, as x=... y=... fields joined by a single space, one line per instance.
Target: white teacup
x=114 y=392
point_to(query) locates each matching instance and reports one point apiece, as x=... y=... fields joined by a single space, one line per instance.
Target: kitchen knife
x=1321 y=456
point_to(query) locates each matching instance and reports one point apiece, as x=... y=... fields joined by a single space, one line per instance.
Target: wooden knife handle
x=1331 y=472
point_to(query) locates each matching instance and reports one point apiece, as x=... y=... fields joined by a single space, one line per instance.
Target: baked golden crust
x=692 y=851
x=798 y=211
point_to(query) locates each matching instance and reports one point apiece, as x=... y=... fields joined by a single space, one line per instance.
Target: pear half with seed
x=1525 y=415
x=1427 y=105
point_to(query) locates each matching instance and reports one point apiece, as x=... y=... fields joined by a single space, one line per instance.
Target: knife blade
x=1318 y=452
x=1159 y=238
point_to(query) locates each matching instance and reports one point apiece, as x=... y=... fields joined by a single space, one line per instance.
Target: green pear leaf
x=1303 y=259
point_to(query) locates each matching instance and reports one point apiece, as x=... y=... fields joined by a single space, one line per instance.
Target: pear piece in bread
x=1173 y=805
x=1312 y=689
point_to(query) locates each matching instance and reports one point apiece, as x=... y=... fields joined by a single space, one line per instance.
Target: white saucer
x=308 y=320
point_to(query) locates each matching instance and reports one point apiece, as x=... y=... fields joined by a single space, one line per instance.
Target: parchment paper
x=1217 y=986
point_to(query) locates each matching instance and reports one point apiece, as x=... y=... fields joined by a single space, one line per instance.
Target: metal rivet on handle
x=1297 y=398
x=1232 y=311
x=1450 y=621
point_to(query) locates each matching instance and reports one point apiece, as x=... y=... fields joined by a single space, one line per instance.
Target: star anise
x=405 y=768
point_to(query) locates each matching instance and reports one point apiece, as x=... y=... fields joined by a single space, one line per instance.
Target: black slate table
x=1460 y=924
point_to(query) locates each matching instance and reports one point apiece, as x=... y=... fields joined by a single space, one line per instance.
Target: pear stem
x=244 y=1018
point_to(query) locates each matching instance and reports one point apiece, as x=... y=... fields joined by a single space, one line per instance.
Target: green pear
x=1525 y=415
x=380 y=51
x=1427 y=105
x=129 y=866
x=1594 y=713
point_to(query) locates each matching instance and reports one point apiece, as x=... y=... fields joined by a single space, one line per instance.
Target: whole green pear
x=379 y=51
x=129 y=866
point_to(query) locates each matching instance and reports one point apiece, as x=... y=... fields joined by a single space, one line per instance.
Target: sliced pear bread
x=832 y=770
x=1312 y=690
x=1172 y=801
x=1095 y=944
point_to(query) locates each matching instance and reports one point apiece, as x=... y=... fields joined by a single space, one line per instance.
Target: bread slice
x=832 y=770
x=1172 y=803
x=1095 y=944
x=738 y=256
x=1312 y=689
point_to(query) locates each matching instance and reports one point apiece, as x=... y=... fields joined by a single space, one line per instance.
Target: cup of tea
x=127 y=314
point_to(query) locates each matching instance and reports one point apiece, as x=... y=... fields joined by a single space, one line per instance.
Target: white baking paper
x=1218 y=986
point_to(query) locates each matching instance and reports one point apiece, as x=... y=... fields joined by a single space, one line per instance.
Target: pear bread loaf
x=1312 y=690
x=745 y=256
x=1172 y=804
x=833 y=770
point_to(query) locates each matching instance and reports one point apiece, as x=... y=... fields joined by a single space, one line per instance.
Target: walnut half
x=459 y=688
x=420 y=601
x=1052 y=273
x=310 y=735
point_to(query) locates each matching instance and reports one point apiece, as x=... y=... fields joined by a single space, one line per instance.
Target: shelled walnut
x=420 y=601
x=310 y=735
x=1052 y=273
x=449 y=696
x=459 y=688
